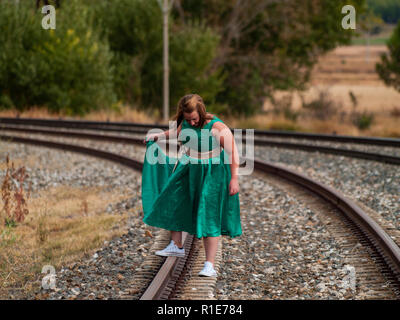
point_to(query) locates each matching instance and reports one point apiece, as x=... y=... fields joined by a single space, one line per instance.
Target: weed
x=284 y=106
x=353 y=99
x=395 y=112
x=362 y=120
x=323 y=107
x=10 y=223
x=42 y=230
x=13 y=195
x=85 y=207
x=284 y=126
x=7 y=237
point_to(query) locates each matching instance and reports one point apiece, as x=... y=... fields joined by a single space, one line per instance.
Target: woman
x=201 y=194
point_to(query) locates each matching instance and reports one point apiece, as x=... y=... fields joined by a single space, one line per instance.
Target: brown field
x=339 y=74
x=350 y=69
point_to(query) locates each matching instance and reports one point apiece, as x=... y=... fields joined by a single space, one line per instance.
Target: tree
x=67 y=69
x=133 y=29
x=46 y=2
x=389 y=67
x=267 y=44
x=389 y=10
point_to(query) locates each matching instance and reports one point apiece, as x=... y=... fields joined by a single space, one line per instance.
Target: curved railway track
x=169 y=279
x=257 y=142
x=142 y=128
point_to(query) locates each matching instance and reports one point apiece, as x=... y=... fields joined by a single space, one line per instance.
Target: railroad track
x=142 y=128
x=257 y=142
x=382 y=247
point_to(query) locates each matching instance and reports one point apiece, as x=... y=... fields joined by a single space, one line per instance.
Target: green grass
x=377 y=39
x=372 y=41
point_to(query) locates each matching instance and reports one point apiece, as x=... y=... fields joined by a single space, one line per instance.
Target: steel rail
x=330 y=150
x=133 y=127
x=261 y=142
x=165 y=280
x=131 y=163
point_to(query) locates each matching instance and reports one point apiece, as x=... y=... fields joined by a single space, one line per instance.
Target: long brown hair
x=188 y=104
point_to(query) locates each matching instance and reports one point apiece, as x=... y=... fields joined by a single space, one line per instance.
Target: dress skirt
x=194 y=198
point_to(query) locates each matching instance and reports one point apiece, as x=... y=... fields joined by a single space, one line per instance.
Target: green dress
x=195 y=197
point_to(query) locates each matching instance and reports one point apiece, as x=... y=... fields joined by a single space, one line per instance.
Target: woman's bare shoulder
x=220 y=126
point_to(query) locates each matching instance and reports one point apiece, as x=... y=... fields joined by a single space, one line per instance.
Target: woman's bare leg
x=211 y=246
x=177 y=237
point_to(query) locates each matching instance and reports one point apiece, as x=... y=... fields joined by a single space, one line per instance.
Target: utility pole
x=165 y=7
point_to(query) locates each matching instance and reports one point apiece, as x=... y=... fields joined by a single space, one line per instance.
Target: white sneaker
x=208 y=270
x=171 y=250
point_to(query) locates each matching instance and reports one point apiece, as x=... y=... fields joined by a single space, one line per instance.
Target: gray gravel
x=285 y=251
x=374 y=184
x=385 y=150
x=50 y=168
x=108 y=274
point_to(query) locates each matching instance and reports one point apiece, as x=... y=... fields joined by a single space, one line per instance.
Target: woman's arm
x=163 y=135
x=166 y=134
x=227 y=141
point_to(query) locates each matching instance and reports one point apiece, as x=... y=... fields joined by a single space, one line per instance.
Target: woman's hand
x=233 y=186
x=150 y=137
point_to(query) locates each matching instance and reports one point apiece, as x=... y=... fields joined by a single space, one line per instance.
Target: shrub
x=389 y=10
x=395 y=112
x=389 y=67
x=67 y=69
x=284 y=126
x=284 y=105
x=268 y=45
x=362 y=120
x=193 y=50
x=13 y=195
x=323 y=107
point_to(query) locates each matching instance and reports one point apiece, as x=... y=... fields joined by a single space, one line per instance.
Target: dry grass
x=377 y=98
x=384 y=125
x=123 y=113
x=30 y=162
x=344 y=72
x=65 y=224
x=351 y=60
x=264 y=122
